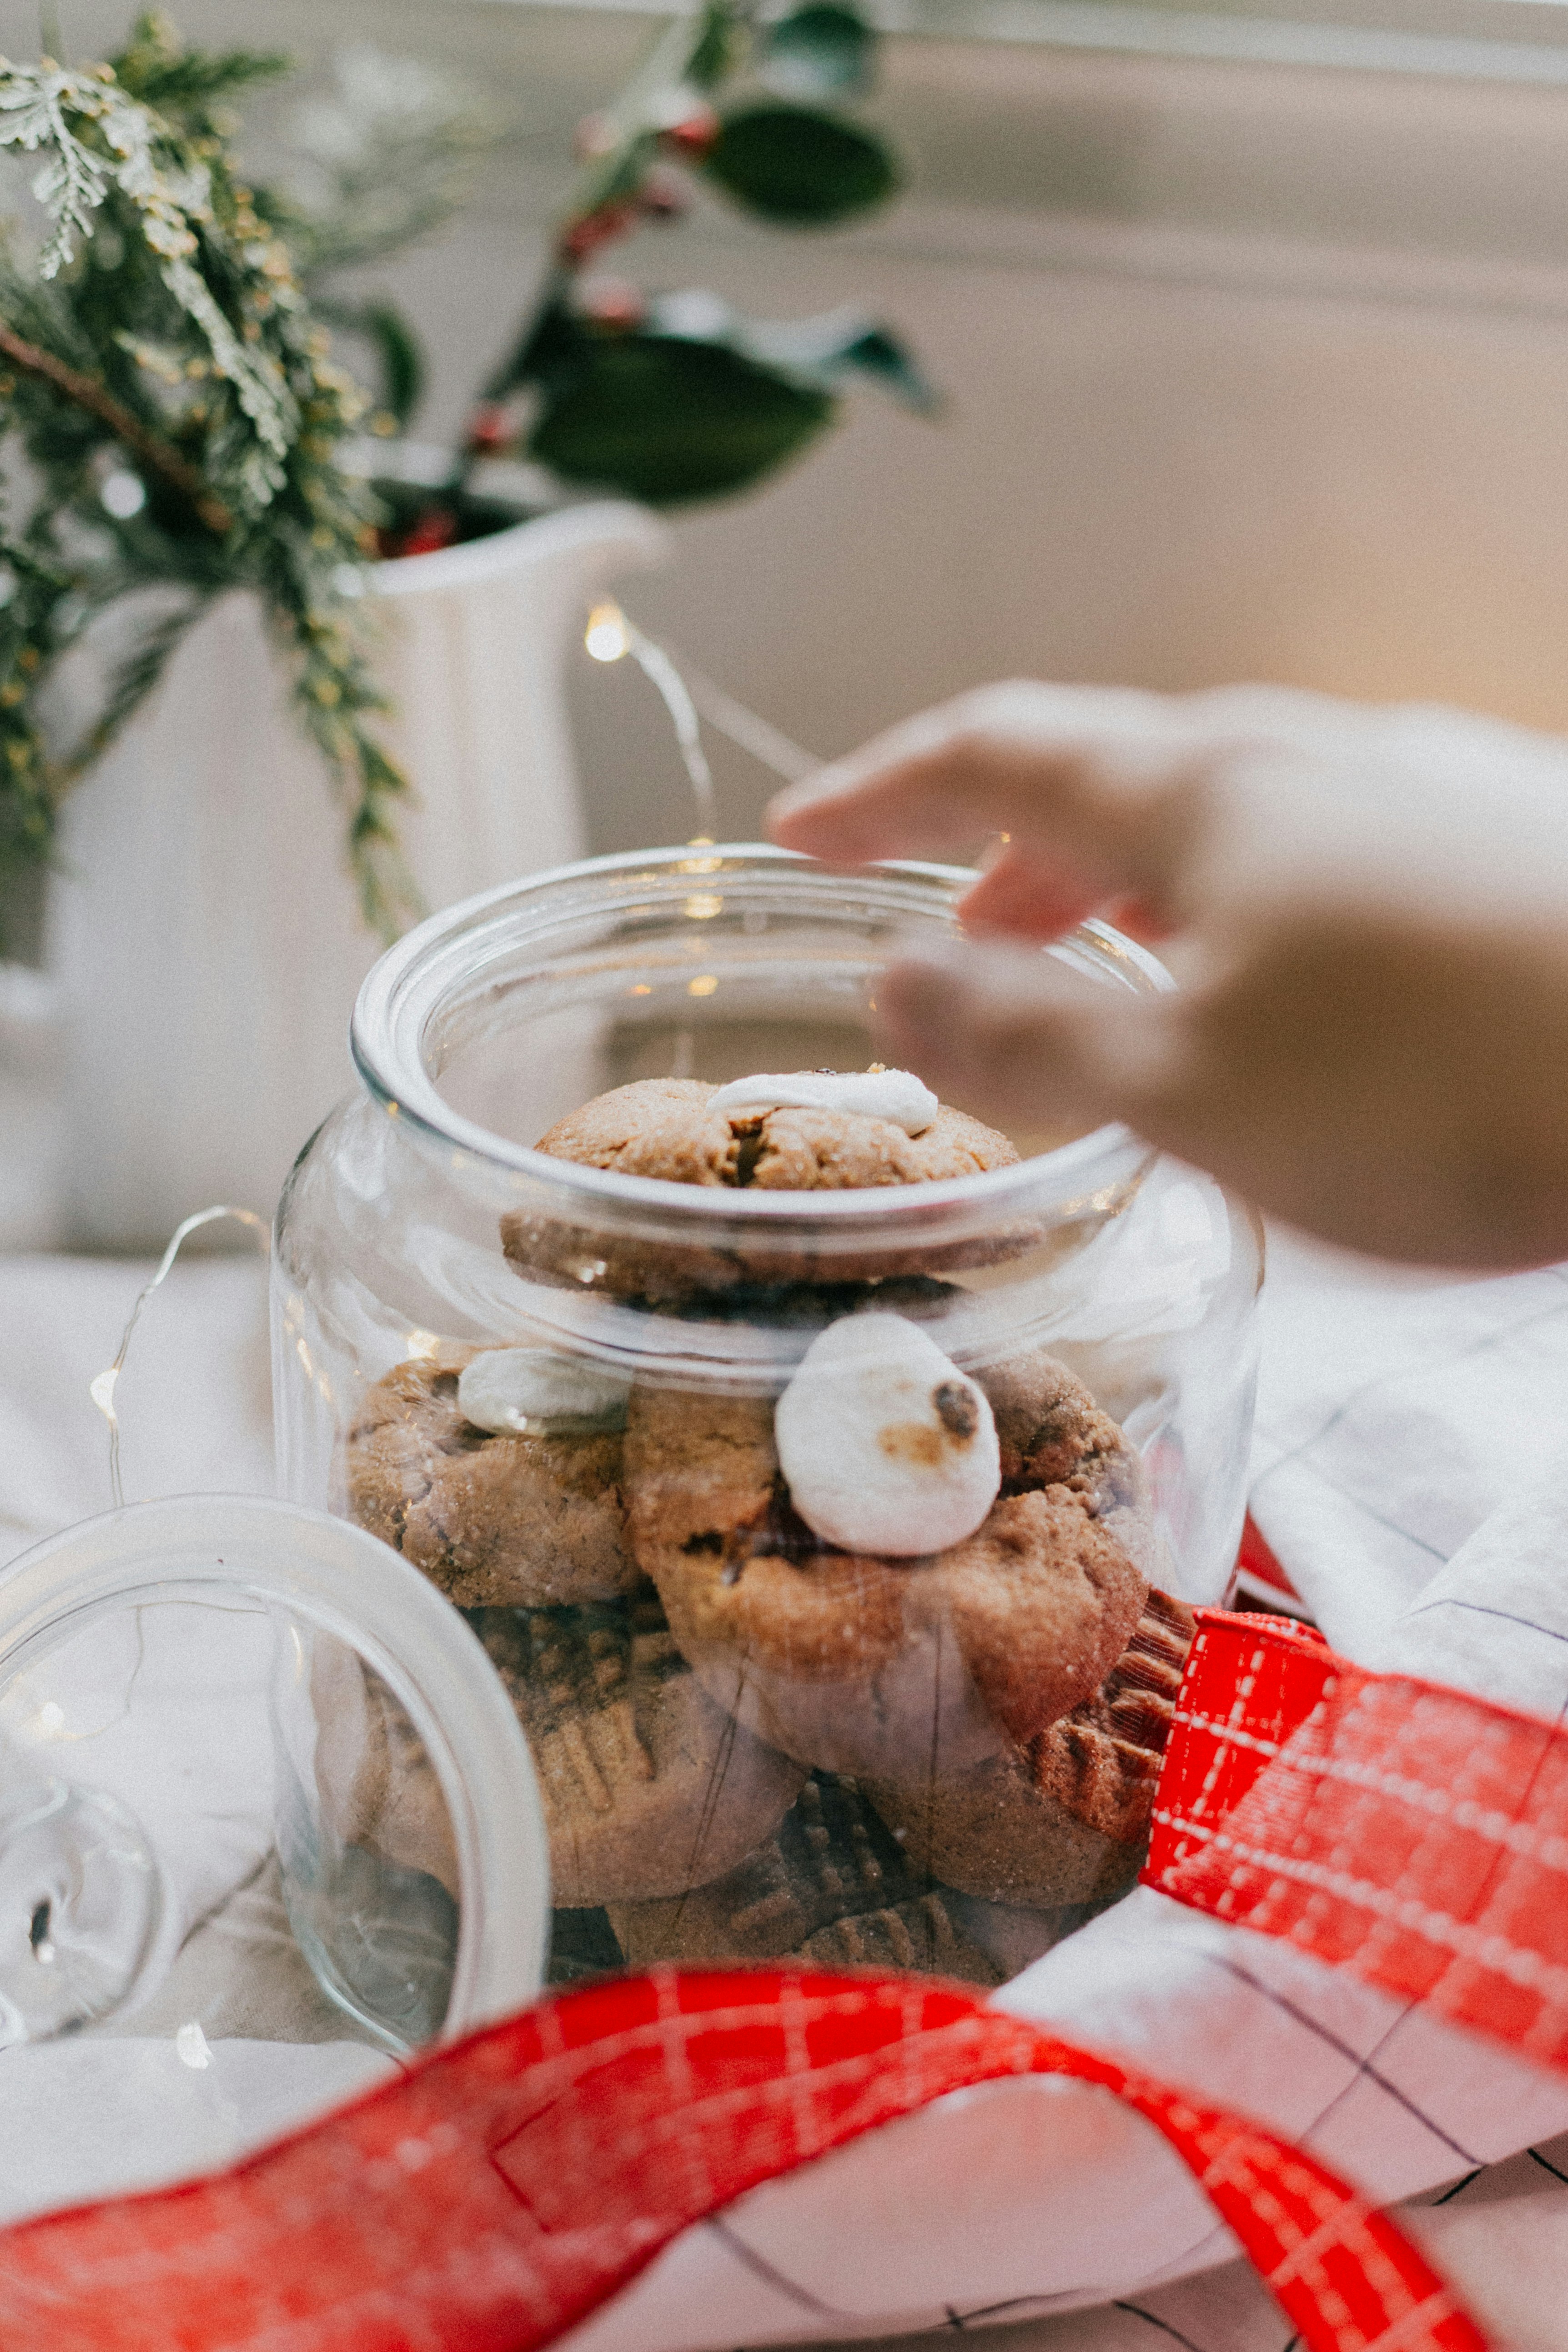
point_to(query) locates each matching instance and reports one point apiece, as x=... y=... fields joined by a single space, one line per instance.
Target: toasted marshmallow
x=541 y=1393
x=888 y=1447
x=896 y=1095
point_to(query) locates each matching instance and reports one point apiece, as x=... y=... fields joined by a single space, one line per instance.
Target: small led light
x=704 y=905
x=606 y=637
x=702 y=986
x=51 y=1719
x=639 y=988
x=123 y=494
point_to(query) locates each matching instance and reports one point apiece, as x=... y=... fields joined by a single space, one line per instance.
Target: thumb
x=1021 y=1037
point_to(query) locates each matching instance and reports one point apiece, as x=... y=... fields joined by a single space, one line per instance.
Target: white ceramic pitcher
x=203 y=945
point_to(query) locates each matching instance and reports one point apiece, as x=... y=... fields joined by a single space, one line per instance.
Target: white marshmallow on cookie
x=887 y=1446
x=896 y=1095
x=541 y=1393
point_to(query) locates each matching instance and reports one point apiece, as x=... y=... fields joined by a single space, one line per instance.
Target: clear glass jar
x=757 y=1734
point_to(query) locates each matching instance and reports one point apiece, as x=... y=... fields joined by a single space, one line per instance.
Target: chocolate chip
x=956 y=1409
x=750 y=1144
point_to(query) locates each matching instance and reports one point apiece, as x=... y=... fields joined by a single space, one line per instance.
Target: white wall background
x=1253 y=372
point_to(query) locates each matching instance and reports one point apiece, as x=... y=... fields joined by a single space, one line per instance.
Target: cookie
x=376 y=1785
x=667 y=1128
x=496 y=1520
x=892 y=1668
x=648 y=1787
x=1051 y=1432
x=1066 y=1819
x=832 y=1886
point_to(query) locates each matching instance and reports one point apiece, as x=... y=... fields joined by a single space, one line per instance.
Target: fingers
x=1020 y=1037
x=1081 y=777
x=1377 y=1088
x=1025 y=899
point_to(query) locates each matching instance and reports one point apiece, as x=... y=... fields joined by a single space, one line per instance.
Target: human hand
x=1368 y=906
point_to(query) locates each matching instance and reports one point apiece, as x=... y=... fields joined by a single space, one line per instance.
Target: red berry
x=581 y=238
x=662 y=197
x=435 y=528
x=612 y=303
x=693 y=138
x=489 y=429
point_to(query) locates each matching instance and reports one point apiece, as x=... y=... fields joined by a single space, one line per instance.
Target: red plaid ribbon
x=507 y=2186
x=1408 y=1833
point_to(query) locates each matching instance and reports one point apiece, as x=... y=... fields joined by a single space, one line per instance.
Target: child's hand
x=1369 y=909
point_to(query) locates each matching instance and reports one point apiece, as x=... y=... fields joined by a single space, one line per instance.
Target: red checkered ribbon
x=1408 y=1833
x=507 y=2186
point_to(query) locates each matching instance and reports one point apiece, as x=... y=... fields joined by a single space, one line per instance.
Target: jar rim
x=407 y=989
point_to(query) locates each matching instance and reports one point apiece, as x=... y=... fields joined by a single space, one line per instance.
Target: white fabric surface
x=195 y=1401
x=1410 y=1473
x=1394 y=1413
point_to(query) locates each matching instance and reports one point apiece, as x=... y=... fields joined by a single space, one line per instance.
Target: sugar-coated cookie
x=495 y=1520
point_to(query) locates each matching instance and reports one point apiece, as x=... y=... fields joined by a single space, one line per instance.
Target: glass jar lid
x=267 y=1823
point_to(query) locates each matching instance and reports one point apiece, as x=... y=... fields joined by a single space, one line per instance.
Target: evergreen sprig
x=172 y=393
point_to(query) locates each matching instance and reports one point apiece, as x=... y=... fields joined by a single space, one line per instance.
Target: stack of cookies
x=834 y=1674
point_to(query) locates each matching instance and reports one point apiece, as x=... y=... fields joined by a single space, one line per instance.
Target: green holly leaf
x=821 y=51
x=668 y=420
x=792 y=164
x=840 y=343
x=821 y=351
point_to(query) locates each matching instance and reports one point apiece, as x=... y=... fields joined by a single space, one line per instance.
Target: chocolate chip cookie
x=893 y=1668
x=665 y=1128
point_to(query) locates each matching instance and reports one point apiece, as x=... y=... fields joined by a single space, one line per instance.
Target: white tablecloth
x=1400 y=1418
